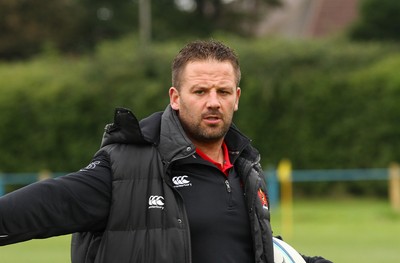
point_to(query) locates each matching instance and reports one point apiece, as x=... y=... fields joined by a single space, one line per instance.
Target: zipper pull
x=228 y=186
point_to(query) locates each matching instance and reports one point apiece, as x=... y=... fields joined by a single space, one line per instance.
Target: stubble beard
x=205 y=133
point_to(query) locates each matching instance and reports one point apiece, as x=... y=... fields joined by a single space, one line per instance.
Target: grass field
x=344 y=231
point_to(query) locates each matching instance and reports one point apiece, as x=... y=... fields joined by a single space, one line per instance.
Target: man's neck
x=213 y=151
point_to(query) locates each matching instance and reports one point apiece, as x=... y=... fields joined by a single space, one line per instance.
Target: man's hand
x=315 y=259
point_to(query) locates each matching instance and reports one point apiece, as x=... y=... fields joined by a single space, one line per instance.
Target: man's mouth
x=212 y=119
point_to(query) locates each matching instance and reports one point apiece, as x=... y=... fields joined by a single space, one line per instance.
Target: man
x=183 y=185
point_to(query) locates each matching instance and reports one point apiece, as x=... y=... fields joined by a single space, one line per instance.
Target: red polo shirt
x=227 y=163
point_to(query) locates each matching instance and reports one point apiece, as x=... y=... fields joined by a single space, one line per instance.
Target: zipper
x=228 y=186
x=229 y=194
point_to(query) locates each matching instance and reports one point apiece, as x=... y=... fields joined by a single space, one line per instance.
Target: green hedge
x=323 y=104
x=53 y=109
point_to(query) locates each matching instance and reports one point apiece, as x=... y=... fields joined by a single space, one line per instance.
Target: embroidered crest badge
x=263 y=198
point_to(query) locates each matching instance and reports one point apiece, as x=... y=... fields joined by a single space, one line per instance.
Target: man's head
x=200 y=51
x=205 y=92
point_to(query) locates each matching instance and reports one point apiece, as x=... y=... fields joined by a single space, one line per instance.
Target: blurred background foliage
x=75 y=26
x=322 y=104
x=379 y=19
x=65 y=65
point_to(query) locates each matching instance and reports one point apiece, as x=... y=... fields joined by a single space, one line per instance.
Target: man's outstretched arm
x=75 y=202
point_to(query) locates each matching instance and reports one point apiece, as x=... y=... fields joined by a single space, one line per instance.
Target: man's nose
x=213 y=101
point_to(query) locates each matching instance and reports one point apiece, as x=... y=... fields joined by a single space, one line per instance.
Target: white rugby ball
x=284 y=253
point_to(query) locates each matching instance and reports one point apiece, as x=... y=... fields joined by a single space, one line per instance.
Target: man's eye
x=199 y=92
x=224 y=92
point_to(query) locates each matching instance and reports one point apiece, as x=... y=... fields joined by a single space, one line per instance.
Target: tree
x=25 y=26
x=237 y=16
x=379 y=19
x=75 y=26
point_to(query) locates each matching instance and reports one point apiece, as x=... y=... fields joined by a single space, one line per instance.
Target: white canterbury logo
x=181 y=181
x=156 y=201
x=92 y=165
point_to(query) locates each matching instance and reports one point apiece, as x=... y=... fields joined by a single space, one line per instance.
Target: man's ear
x=174 y=98
x=238 y=92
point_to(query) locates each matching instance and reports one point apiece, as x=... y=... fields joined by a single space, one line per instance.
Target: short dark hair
x=203 y=50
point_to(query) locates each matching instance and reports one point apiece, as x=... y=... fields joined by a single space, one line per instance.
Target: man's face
x=206 y=100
